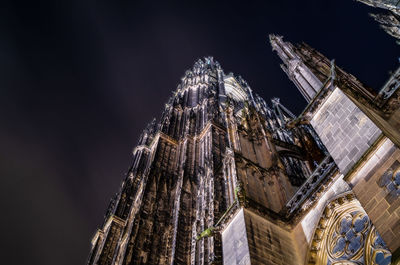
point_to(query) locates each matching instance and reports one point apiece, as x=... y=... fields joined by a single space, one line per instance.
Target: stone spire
x=294 y=66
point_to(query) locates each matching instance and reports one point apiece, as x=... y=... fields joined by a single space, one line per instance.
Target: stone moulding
x=345 y=235
x=325 y=169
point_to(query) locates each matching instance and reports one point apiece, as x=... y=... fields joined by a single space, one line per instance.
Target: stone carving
x=324 y=170
x=346 y=235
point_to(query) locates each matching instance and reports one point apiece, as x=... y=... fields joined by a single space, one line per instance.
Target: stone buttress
x=360 y=129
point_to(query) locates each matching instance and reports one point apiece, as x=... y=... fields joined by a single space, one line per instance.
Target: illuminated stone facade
x=357 y=219
x=225 y=178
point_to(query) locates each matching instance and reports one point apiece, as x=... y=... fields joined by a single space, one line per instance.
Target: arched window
x=345 y=235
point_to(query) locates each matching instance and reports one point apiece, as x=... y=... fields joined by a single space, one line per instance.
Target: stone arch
x=345 y=235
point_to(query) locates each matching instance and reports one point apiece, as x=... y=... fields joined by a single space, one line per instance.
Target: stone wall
x=310 y=220
x=235 y=247
x=269 y=243
x=375 y=187
x=252 y=239
x=344 y=129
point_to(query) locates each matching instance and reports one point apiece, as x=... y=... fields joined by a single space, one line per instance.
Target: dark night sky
x=80 y=80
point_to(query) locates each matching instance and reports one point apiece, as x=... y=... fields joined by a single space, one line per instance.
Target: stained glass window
x=345 y=235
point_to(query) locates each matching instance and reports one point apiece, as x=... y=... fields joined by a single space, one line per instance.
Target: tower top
x=295 y=67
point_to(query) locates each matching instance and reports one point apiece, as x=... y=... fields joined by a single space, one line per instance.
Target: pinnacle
x=274 y=37
x=200 y=66
x=207 y=61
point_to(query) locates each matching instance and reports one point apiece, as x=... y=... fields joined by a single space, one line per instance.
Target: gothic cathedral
x=226 y=178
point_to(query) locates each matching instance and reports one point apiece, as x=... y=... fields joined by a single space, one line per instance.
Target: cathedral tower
x=218 y=149
x=225 y=178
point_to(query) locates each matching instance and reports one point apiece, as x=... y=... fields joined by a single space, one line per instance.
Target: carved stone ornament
x=346 y=235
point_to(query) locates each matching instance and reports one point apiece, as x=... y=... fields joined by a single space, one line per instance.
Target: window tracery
x=346 y=235
x=391 y=180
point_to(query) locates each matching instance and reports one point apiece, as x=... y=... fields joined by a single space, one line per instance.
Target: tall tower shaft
x=225 y=178
x=218 y=148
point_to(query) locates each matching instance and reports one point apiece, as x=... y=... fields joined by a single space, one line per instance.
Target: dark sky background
x=79 y=80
